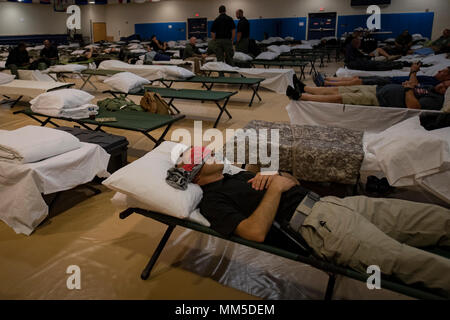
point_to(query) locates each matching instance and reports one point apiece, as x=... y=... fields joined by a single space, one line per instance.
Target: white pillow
x=267 y=56
x=6 y=78
x=123 y=202
x=284 y=48
x=240 y=56
x=67 y=68
x=126 y=82
x=446 y=105
x=275 y=49
x=178 y=72
x=62 y=99
x=145 y=181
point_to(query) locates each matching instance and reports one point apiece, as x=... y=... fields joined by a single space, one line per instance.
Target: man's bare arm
x=411 y=100
x=239 y=36
x=233 y=34
x=256 y=227
x=213 y=35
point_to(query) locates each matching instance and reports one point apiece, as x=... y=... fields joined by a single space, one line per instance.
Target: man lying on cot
x=410 y=94
x=354 y=231
x=441 y=76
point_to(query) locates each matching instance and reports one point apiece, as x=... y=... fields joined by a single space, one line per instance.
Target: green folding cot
x=209 y=82
x=283 y=63
x=142 y=122
x=188 y=94
x=86 y=75
x=301 y=255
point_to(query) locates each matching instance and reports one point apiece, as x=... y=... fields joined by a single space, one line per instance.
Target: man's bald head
x=239 y=13
x=193 y=40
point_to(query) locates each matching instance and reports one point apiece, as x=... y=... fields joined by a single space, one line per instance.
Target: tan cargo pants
x=359 y=231
x=198 y=62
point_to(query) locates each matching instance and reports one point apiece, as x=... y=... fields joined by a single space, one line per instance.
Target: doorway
x=99 y=31
x=321 y=25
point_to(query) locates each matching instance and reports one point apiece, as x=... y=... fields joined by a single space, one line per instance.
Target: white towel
x=32 y=143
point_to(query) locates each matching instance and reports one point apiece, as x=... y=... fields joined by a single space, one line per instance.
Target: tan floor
x=112 y=252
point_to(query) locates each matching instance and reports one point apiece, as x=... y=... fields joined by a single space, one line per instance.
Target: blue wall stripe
x=421 y=22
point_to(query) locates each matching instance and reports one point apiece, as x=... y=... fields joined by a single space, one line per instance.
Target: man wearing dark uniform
x=223 y=31
x=243 y=32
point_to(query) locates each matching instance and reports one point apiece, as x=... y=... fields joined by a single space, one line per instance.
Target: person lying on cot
x=410 y=94
x=355 y=232
x=439 y=77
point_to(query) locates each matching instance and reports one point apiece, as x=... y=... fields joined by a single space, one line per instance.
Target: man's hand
x=415 y=67
x=409 y=84
x=282 y=184
x=261 y=181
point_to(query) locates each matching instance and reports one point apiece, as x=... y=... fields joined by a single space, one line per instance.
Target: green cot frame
x=209 y=82
x=14 y=102
x=86 y=75
x=331 y=269
x=128 y=120
x=187 y=94
x=284 y=63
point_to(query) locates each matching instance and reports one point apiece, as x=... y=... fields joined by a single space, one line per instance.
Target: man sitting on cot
x=439 y=77
x=410 y=94
x=355 y=232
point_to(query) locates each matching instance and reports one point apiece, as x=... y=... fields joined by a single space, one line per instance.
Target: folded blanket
x=32 y=143
x=81 y=112
x=311 y=153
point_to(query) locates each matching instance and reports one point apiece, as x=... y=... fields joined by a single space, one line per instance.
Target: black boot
x=292 y=93
x=298 y=85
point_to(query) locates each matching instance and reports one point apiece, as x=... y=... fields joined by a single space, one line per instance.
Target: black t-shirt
x=222 y=26
x=353 y=54
x=404 y=39
x=49 y=53
x=18 y=57
x=393 y=95
x=228 y=202
x=244 y=27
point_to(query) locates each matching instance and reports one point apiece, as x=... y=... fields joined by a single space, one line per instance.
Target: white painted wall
x=31 y=18
x=120 y=18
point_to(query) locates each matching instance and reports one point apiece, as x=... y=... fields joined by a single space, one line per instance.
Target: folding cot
x=87 y=74
x=284 y=63
x=209 y=82
x=29 y=88
x=127 y=120
x=189 y=94
x=301 y=256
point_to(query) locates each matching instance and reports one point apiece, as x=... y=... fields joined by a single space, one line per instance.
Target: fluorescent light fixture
x=91 y=2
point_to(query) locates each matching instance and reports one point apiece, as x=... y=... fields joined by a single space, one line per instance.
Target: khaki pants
x=359 y=95
x=224 y=51
x=359 y=231
x=198 y=62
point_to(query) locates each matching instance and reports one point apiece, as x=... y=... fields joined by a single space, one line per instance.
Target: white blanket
x=275 y=79
x=150 y=72
x=81 y=112
x=428 y=71
x=22 y=185
x=33 y=143
x=363 y=118
x=29 y=88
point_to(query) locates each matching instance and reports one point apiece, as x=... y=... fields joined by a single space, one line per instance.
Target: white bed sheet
x=363 y=118
x=370 y=120
x=439 y=62
x=150 y=72
x=275 y=79
x=21 y=186
x=29 y=88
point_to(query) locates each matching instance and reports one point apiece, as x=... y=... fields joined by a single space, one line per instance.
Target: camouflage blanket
x=311 y=153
